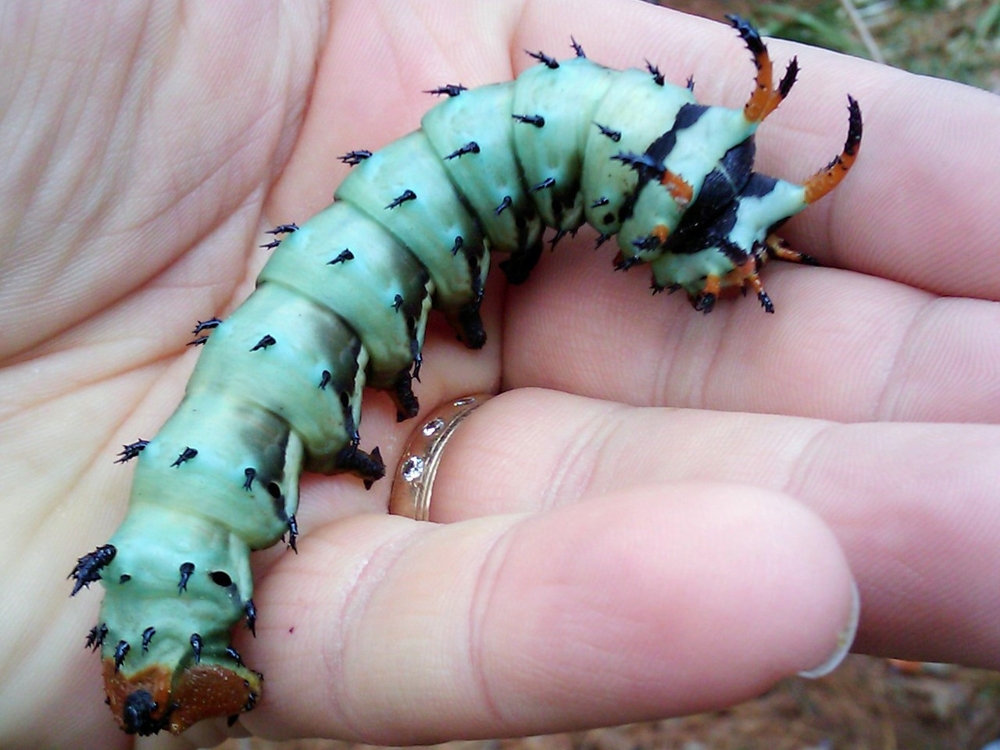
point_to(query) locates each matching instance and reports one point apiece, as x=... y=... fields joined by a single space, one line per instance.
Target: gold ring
x=414 y=478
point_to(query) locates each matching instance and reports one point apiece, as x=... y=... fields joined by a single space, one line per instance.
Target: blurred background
x=954 y=39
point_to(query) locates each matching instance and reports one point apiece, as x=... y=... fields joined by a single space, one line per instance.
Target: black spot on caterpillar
x=277 y=389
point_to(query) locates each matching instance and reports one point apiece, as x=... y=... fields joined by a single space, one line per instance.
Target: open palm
x=600 y=559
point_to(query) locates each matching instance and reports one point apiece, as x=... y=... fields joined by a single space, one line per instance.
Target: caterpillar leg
x=519 y=264
x=468 y=325
x=777 y=247
x=764 y=99
x=747 y=276
x=401 y=392
x=742 y=277
x=704 y=301
x=368 y=467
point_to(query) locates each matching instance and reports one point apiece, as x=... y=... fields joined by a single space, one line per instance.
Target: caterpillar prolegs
x=343 y=303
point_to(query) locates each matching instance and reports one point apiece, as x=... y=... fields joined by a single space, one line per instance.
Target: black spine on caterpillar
x=277 y=389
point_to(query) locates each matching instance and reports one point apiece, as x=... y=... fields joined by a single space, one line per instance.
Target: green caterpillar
x=343 y=303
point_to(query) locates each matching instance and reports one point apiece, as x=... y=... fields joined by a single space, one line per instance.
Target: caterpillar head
x=725 y=235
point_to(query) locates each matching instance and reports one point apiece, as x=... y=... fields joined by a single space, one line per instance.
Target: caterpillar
x=343 y=302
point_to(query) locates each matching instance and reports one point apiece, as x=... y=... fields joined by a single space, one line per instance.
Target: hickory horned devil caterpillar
x=343 y=303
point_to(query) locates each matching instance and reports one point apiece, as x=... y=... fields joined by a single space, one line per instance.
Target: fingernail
x=844 y=640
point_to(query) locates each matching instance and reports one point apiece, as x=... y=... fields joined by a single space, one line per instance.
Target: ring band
x=418 y=465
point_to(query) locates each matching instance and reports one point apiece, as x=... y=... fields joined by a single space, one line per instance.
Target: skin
x=597 y=558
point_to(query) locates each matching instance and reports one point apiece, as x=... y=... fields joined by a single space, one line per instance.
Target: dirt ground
x=867 y=704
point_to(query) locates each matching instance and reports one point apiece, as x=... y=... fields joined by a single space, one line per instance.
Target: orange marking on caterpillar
x=177 y=701
x=764 y=99
x=833 y=173
x=679 y=188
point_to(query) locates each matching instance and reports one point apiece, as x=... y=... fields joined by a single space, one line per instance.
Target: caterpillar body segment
x=287 y=379
x=490 y=180
x=343 y=303
x=430 y=225
x=383 y=293
x=558 y=150
x=608 y=181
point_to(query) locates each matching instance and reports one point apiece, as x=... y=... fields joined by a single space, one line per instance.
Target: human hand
x=594 y=563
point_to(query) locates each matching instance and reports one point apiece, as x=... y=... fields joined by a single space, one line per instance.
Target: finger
x=914 y=505
x=629 y=605
x=841 y=346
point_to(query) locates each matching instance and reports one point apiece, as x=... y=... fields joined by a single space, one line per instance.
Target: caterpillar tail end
x=157 y=698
